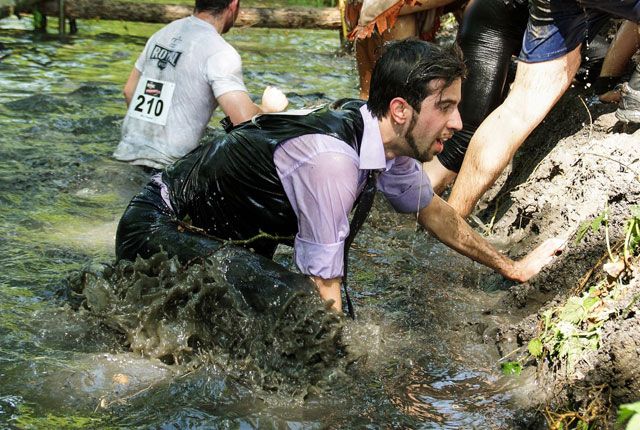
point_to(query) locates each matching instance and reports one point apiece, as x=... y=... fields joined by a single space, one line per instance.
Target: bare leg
x=625 y=44
x=536 y=89
x=366 y=56
x=439 y=175
x=404 y=27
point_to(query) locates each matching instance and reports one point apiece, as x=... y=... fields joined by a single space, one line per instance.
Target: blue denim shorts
x=557 y=27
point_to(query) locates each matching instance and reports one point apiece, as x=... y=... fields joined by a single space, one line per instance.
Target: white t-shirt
x=184 y=67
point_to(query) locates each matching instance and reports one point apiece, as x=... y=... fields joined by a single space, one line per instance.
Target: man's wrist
x=512 y=271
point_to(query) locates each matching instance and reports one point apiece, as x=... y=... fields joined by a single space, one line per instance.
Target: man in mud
x=549 y=60
x=184 y=72
x=286 y=178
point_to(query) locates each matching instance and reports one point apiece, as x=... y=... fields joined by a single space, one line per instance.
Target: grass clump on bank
x=570 y=331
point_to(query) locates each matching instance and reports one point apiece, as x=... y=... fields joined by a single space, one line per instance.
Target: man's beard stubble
x=422 y=157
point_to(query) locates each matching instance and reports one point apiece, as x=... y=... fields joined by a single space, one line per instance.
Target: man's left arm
x=131 y=85
x=452 y=230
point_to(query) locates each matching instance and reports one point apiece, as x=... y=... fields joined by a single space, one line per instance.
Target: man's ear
x=399 y=110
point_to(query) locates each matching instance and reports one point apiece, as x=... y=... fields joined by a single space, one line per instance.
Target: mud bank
x=581 y=314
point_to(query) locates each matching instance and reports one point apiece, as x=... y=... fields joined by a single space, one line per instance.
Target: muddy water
x=420 y=353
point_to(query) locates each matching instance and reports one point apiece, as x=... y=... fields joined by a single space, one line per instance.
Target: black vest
x=230 y=187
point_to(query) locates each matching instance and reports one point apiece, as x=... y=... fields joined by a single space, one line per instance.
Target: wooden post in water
x=342 y=7
x=61 y=26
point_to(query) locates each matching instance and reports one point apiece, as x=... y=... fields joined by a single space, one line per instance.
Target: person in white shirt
x=184 y=73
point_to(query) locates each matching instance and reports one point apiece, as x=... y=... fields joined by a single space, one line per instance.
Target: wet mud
x=235 y=304
x=580 y=162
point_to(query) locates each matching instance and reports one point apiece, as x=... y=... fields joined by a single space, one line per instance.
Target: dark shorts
x=557 y=27
x=149 y=225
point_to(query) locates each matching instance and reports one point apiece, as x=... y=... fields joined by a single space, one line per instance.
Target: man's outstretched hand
x=533 y=262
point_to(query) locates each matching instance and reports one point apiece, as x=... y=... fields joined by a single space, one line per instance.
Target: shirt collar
x=371 y=149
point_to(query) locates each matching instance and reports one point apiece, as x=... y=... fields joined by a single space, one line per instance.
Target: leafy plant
x=39 y=20
x=629 y=413
x=511 y=368
x=593 y=225
x=632 y=233
x=571 y=329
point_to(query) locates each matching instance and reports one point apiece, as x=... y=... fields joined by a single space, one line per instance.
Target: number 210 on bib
x=152 y=100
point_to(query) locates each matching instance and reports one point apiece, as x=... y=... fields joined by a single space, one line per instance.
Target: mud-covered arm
x=452 y=230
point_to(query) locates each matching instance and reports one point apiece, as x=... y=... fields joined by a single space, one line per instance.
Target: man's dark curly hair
x=405 y=69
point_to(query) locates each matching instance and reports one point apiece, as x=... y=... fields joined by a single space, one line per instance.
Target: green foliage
x=535 y=347
x=575 y=327
x=632 y=232
x=582 y=425
x=39 y=20
x=511 y=368
x=571 y=329
x=26 y=418
x=593 y=225
x=629 y=413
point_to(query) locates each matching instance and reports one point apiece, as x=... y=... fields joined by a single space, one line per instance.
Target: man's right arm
x=238 y=106
x=451 y=229
x=130 y=86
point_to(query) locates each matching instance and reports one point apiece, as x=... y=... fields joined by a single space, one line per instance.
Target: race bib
x=152 y=100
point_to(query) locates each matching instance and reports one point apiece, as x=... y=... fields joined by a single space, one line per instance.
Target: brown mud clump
x=265 y=320
x=577 y=176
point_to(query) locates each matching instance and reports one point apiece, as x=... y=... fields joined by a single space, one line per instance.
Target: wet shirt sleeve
x=406 y=185
x=320 y=176
x=224 y=72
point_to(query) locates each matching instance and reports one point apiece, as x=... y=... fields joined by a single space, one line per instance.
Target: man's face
x=437 y=121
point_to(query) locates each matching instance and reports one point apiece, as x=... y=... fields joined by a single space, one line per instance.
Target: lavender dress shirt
x=322 y=177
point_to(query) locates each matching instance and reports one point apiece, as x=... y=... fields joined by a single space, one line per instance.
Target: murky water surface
x=422 y=362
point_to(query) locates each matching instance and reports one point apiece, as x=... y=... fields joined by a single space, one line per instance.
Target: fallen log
x=290 y=17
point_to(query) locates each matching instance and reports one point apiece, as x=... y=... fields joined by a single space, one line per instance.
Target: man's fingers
x=550 y=249
x=554 y=247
